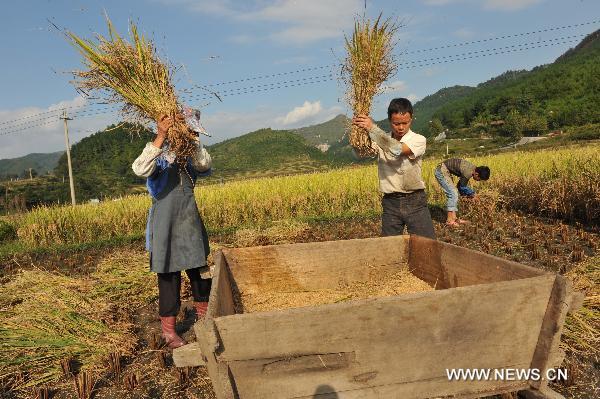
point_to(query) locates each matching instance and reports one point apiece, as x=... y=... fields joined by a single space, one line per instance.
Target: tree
x=536 y=125
x=435 y=127
x=513 y=125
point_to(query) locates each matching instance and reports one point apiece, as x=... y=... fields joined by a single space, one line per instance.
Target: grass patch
x=582 y=329
x=16 y=248
x=48 y=317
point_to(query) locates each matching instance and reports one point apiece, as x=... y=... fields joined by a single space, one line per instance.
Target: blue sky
x=263 y=45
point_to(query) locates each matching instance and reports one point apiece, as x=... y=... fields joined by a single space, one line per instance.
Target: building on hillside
x=323 y=147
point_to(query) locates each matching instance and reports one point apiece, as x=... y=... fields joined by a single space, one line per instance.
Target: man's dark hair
x=400 y=106
x=483 y=172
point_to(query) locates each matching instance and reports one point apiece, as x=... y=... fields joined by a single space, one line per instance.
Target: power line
x=325 y=78
x=246 y=90
x=44 y=113
x=503 y=37
x=315 y=68
x=29 y=127
x=49 y=118
x=494 y=49
x=489 y=54
x=224 y=92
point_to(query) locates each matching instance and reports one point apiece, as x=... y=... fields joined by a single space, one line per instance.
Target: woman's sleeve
x=201 y=161
x=144 y=165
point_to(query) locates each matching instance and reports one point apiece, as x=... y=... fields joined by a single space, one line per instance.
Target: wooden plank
x=551 y=329
x=189 y=355
x=407 y=340
x=220 y=302
x=417 y=389
x=444 y=265
x=314 y=266
x=545 y=393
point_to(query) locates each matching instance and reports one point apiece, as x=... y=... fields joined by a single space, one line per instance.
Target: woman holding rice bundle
x=175 y=234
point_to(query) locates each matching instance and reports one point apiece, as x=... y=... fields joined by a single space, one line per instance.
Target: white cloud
x=303 y=21
x=42 y=131
x=226 y=125
x=294 y=60
x=397 y=86
x=507 y=5
x=413 y=97
x=301 y=113
x=432 y=71
x=242 y=39
x=464 y=33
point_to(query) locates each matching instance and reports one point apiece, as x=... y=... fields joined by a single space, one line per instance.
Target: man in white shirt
x=399 y=165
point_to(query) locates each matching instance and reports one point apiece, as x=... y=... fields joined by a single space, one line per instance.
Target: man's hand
x=363 y=121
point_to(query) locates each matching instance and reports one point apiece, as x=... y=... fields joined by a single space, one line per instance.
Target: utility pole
x=65 y=119
x=30 y=176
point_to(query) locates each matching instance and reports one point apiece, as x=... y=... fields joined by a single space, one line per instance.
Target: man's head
x=400 y=113
x=481 y=173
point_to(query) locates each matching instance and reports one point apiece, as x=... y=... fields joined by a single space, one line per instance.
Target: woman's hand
x=363 y=121
x=163 y=124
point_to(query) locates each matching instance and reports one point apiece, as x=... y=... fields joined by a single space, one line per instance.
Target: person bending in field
x=175 y=234
x=464 y=170
x=399 y=167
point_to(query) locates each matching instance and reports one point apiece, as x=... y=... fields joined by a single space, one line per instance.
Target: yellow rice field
x=558 y=182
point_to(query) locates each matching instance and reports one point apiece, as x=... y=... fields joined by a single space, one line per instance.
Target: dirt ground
x=149 y=373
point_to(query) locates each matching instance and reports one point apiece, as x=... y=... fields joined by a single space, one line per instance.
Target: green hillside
x=328 y=132
x=425 y=108
x=40 y=164
x=564 y=93
x=264 y=151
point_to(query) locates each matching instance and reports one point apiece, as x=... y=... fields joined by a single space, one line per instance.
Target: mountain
x=426 y=107
x=561 y=94
x=40 y=163
x=328 y=132
x=102 y=162
x=265 y=152
x=332 y=132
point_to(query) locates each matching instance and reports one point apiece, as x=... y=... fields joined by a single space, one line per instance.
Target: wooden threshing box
x=485 y=313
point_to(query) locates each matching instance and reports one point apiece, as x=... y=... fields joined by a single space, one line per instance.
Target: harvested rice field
x=147 y=371
x=378 y=284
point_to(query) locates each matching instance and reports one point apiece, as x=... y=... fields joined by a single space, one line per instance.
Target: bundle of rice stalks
x=369 y=62
x=123 y=278
x=133 y=74
x=582 y=329
x=46 y=318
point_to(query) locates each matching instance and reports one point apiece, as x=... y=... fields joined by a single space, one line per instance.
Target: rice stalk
x=131 y=380
x=582 y=329
x=131 y=73
x=46 y=318
x=369 y=62
x=339 y=193
x=84 y=385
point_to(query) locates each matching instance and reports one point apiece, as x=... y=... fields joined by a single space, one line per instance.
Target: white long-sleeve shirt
x=145 y=164
x=398 y=172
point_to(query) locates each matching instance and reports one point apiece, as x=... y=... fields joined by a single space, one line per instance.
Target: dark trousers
x=410 y=210
x=169 y=287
